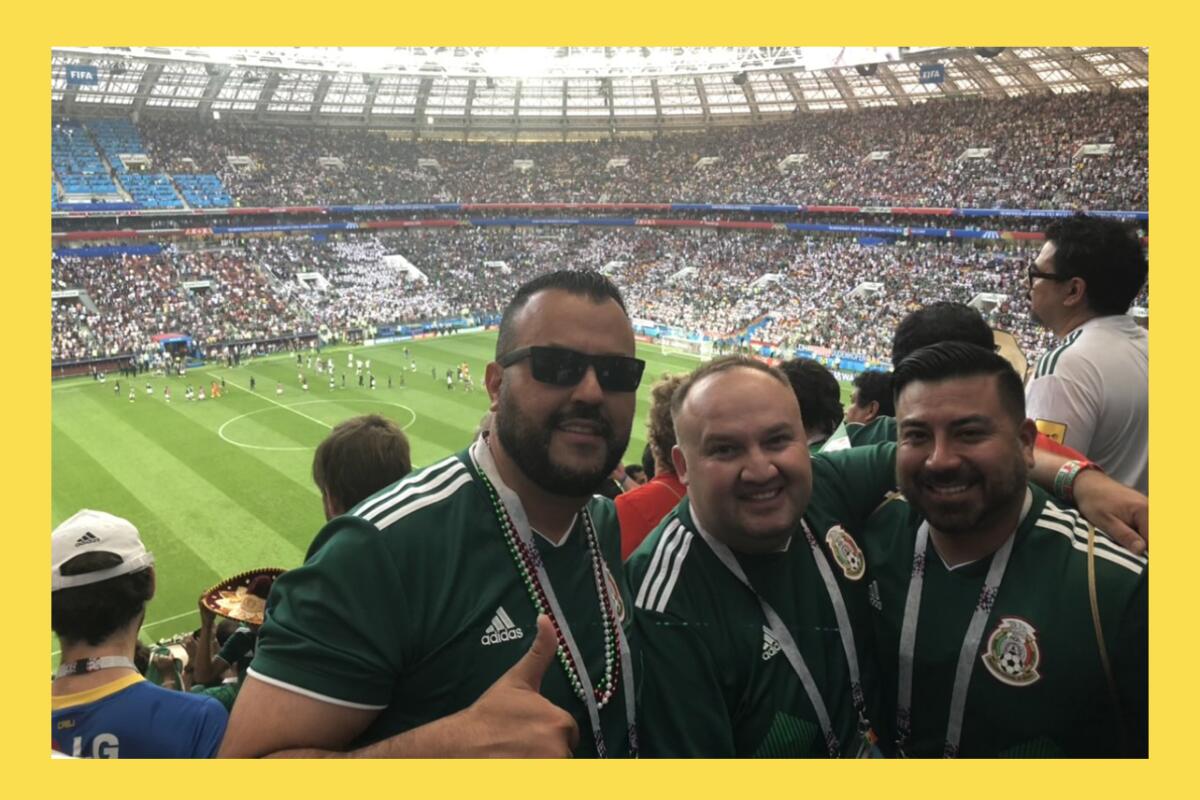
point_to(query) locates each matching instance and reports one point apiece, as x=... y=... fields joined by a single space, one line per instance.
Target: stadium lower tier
x=840 y=294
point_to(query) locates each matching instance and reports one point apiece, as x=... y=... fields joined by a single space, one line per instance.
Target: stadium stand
x=812 y=303
x=1034 y=160
x=77 y=164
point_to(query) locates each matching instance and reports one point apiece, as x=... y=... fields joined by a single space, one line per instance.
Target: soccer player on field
x=1010 y=625
x=452 y=597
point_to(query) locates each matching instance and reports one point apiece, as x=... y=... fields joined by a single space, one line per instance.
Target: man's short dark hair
x=718 y=365
x=359 y=457
x=1106 y=254
x=943 y=321
x=875 y=386
x=95 y=611
x=633 y=470
x=817 y=391
x=580 y=282
x=947 y=360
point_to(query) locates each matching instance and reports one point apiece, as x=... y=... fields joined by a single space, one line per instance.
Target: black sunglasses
x=559 y=366
x=1034 y=272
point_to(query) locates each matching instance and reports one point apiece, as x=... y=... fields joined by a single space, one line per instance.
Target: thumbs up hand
x=512 y=719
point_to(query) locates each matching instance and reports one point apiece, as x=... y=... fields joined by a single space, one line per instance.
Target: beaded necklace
x=526 y=560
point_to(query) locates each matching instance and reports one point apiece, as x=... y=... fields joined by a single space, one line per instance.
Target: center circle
x=298 y=448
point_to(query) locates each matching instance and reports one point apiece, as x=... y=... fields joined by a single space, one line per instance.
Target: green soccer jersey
x=856 y=434
x=715 y=681
x=1037 y=686
x=411 y=604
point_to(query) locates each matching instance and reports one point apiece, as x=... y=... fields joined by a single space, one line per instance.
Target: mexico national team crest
x=1012 y=653
x=846 y=552
x=618 y=602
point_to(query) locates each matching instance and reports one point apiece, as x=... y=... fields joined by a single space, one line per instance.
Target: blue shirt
x=133 y=718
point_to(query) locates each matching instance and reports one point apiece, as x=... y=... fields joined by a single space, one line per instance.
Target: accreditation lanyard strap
x=788 y=645
x=970 y=643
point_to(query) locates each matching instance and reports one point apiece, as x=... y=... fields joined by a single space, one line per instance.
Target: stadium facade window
x=396 y=96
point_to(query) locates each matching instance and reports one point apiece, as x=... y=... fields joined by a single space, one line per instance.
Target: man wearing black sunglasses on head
x=415 y=626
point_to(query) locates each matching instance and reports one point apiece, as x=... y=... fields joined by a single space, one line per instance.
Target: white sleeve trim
x=333 y=701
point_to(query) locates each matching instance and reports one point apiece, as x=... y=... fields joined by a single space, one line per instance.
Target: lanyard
x=83 y=665
x=970 y=643
x=482 y=456
x=788 y=645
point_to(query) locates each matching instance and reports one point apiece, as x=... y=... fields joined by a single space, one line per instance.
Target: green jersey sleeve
x=321 y=633
x=850 y=484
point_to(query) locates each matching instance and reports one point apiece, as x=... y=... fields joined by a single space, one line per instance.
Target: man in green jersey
x=744 y=595
x=749 y=597
x=942 y=321
x=1011 y=627
x=1125 y=514
x=407 y=630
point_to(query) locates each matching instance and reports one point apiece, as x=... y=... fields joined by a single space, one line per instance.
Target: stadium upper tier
x=1088 y=150
x=716 y=282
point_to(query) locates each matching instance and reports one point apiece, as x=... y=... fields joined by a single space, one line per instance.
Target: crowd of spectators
x=1033 y=161
x=138 y=296
x=696 y=279
x=794 y=290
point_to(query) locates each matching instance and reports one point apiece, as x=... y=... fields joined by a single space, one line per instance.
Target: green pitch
x=220 y=486
x=223 y=485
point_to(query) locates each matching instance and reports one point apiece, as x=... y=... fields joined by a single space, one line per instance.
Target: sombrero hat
x=243 y=597
x=1008 y=347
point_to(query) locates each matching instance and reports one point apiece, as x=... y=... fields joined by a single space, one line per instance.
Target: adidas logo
x=502 y=629
x=87 y=538
x=770 y=645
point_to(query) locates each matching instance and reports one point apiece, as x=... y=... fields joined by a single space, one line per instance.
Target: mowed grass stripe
x=181 y=573
x=276 y=496
x=175 y=477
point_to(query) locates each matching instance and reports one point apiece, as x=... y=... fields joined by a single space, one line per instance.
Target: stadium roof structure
x=560 y=91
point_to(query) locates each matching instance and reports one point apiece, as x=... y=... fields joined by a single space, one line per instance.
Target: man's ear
x=679 y=461
x=493 y=376
x=1076 y=292
x=1028 y=433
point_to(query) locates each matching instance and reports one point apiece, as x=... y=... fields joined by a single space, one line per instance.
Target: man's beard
x=1000 y=493
x=528 y=445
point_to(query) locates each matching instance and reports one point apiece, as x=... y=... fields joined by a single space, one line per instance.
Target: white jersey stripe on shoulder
x=667 y=568
x=409 y=491
x=1081 y=546
x=403 y=483
x=677 y=567
x=309 y=693
x=1103 y=540
x=428 y=500
x=656 y=563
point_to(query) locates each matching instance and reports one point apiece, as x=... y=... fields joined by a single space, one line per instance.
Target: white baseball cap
x=95 y=532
